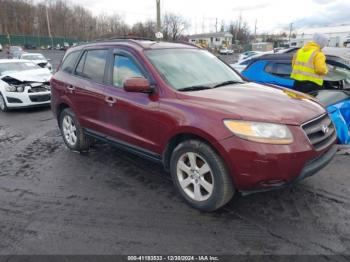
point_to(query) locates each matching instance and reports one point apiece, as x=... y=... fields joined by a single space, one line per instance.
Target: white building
x=339 y=35
x=212 y=40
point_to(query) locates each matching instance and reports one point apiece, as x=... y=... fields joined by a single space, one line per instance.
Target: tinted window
x=69 y=62
x=279 y=69
x=80 y=67
x=92 y=65
x=124 y=68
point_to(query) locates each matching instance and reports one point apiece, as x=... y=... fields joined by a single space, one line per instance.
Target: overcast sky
x=271 y=15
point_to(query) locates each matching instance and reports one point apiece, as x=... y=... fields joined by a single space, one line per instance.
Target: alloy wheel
x=195 y=176
x=69 y=130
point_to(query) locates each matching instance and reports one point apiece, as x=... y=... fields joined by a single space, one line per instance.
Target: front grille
x=38 y=89
x=321 y=132
x=40 y=98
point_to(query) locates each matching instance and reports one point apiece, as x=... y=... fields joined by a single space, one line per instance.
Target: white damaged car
x=23 y=84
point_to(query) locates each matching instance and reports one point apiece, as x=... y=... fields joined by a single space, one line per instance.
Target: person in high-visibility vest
x=309 y=65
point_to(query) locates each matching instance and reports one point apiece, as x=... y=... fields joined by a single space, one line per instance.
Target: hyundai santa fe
x=181 y=106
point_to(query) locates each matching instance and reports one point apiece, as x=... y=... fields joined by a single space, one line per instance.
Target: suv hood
x=255 y=102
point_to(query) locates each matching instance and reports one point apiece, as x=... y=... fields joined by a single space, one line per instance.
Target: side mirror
x=137 y=84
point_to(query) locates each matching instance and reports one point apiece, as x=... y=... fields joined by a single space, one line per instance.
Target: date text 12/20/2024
x=173 y=258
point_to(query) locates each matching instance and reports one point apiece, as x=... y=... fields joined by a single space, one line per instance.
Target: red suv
x=183 y=107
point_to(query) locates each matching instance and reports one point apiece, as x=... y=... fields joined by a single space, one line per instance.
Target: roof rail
x=132 y=39
x=187 y=43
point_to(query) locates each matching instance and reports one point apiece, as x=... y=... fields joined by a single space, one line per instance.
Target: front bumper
x=309 y=169
x=22 y=100
x=257 y=167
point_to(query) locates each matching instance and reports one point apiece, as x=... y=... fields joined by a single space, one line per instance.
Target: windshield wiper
x=226 y=83
x=194 y=88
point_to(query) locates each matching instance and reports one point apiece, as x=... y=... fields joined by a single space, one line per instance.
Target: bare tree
x=147 y=29
x=173 y=26
x=26 y=17
x=240 y=30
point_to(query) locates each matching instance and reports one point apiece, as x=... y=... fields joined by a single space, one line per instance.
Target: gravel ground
x=54 y=201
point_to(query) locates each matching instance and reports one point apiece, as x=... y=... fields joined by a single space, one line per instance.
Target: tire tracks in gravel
x=27 y=153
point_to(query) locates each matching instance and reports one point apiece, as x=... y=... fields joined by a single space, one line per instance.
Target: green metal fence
x=34 y=40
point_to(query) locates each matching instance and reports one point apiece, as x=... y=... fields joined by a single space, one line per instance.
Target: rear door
x=88 y=89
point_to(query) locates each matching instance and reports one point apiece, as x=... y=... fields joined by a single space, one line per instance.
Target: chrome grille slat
x=315 y=128
x=318 y=128
x=321 y=138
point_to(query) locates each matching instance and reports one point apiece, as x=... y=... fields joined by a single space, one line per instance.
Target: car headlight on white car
x=11 y=88
x=266 y=133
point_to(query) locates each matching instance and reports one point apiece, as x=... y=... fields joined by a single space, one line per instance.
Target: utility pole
x=48 y=25
x=238 y=28
x=158 y=16
x=256 y=28
x=290 y=31
x=216 y=25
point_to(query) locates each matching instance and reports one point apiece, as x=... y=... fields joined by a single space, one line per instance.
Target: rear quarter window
x=92 y=65
x=69 y=62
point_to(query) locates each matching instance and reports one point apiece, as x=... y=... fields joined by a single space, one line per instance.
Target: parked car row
x=16 y=52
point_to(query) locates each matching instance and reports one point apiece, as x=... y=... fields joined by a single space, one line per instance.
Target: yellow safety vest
x=304 y=69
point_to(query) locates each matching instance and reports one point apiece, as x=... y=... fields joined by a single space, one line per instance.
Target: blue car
x=276 y=69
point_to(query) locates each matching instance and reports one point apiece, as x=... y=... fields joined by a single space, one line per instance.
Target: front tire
x=3 y=106
x=72 y=133
x=200 y=175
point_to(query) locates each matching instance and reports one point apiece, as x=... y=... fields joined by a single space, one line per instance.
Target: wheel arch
x=59 y=109
x=176 y=139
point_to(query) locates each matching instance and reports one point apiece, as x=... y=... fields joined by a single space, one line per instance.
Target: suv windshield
x=184 y=68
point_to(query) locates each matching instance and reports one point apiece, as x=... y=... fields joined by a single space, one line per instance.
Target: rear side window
x=92 y=65
x=69 y=62
x=124 y=68
x=279 y=69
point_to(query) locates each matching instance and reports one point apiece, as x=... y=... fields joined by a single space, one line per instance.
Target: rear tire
x=72 y=133
x=200 y=176
x=3 y=106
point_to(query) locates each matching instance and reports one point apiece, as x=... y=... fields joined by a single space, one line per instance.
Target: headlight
x=19 y=89
x=260 y=132
x=11 y=89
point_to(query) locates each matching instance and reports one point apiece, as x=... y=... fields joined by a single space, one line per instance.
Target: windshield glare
x=17 y=67
x=182 y=68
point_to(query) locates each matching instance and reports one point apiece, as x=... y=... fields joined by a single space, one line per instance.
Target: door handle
x=70 y=88
x=110 y=100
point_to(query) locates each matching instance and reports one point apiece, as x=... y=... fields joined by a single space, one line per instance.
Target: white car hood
x=36 y=75
x=39 y=61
